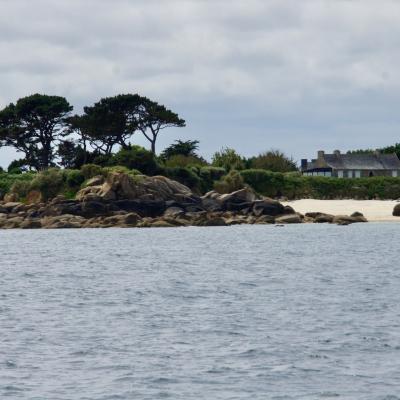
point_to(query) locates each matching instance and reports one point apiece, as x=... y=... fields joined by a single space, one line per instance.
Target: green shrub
x=90 y=170
x=264 y=182
x=182 y=161
x=273 y=160
x=74 y=178
x=208 y=175
x=116 y=168
x=293 y=185
x=228 y=159
x=49 y=182
x=230 y=183
x=21 y=188
x=7 y=180
x=136 y=157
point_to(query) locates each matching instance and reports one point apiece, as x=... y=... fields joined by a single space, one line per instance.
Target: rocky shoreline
x=124 y=201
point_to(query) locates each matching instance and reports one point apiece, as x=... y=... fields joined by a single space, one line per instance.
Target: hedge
x=295 y=186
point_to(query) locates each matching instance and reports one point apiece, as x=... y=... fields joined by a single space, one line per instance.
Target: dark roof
x=372 y=161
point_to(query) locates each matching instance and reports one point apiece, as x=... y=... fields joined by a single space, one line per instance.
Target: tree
x=154 y=118
x=392 y=149
x=18 y=166
x=111 y=121
x=33 y=125
x=72 y=155
x=228 y=158
x=181 y=148
x=273 y=160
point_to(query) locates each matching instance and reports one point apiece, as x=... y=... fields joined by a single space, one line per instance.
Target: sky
x=293 y=75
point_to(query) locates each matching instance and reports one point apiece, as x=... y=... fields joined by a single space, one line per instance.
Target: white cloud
x=298 y=75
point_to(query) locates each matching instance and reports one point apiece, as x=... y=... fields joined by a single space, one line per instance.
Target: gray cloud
x=254 y=74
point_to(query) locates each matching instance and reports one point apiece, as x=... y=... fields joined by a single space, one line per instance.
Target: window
x=349 y=174
x=340 y=174
x=394 y=174
x=358 y=174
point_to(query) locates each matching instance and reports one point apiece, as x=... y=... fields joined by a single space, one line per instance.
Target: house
x=358 y=165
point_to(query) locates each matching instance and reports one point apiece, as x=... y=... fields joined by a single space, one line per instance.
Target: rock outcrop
x=125 y=201
x=120 y=186
x=396 y=210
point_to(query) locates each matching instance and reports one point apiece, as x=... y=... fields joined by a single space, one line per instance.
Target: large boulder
x=145 y=208
x=268 y=207
x=346 y=219
x=9 y=206
x=120 y=186
x=319 y=217
x=122 y=220
x=396 y=210
x=289 y=219
x=235 y=201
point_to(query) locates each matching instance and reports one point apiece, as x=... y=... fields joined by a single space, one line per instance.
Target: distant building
x=352 y=165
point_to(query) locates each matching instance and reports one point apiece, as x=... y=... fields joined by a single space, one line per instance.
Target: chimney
x=304 y=164
x=321 y=154
x=336 y=152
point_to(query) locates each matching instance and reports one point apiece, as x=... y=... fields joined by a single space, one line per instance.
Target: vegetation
x=43 y=129
x=385 y=150
x=61 y=152
x=273 y=160
x=229 y=183
x=33 y=125
x=294 y=185
x=228 y=159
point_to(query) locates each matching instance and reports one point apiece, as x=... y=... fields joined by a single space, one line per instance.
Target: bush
x=273 y=160
x=21 y=188
x=229 y=183
x=274 y=184
x=116 y=168
x=7 y=180
x=136 y=157
x=182 y=161
x=74 y=178
x=265 y=182
x=228 y=159
x=208 y=175
x=90 y=170
x=49 y=182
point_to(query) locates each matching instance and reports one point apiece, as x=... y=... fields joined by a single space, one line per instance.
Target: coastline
x=373 y=210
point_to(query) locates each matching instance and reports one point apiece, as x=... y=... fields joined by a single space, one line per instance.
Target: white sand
x=373 y=210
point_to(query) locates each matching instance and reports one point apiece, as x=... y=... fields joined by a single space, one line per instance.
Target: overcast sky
x=250 y=74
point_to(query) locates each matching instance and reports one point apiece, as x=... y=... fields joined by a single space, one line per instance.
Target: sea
x=308 y=311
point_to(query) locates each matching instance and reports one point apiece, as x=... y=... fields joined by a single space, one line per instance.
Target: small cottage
x=352 y=165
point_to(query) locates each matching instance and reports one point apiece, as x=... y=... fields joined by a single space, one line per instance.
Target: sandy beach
x=373 y=210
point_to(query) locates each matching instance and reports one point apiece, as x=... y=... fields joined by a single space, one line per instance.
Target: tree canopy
x=186 y=148
x=33 y=125
x=154 y=118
